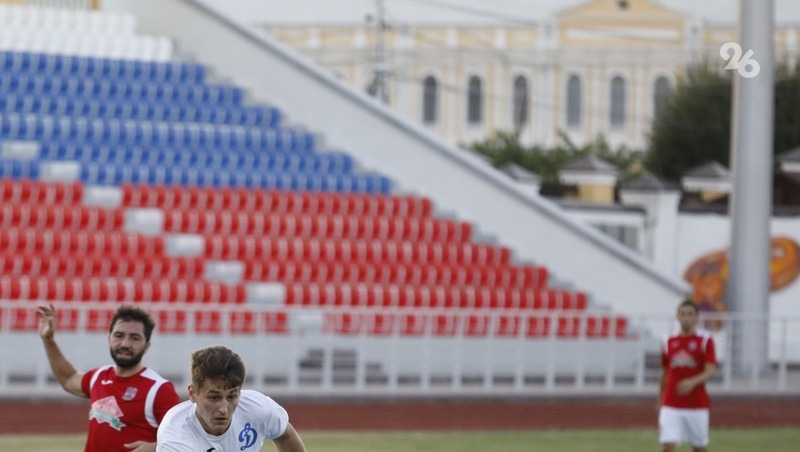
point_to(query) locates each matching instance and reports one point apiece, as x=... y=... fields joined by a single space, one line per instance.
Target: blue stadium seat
x=92 y=173
x=19 y=169
x=65 y=65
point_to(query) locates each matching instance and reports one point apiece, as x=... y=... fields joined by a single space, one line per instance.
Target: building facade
x=604 y=68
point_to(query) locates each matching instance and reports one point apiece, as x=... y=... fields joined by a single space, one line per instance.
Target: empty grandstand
x=248 y=198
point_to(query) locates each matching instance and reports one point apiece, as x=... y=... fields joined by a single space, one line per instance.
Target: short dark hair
x=217 y=363
x=133 y=314
x=690 y=303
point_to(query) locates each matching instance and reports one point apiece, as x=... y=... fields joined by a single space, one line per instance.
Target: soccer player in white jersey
x=221 y=416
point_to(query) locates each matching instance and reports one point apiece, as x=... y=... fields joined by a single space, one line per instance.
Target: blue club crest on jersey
x=248 y=436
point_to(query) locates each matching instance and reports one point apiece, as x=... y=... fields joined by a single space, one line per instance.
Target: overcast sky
x=468 y=12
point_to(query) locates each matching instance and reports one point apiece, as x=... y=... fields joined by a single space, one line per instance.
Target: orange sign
x=708 y=273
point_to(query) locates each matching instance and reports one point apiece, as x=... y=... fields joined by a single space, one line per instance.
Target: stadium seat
x=24 y=319
x=207 y=322
x=34 y=192
x=59 y=217
x=537 y=326
x=243 y=322
x=344 y=323
x=171 y=321
x=253 y=189
x=413 y=324
x=276 y=322
x=381 y=324
x=445 y=324
x=99 y=320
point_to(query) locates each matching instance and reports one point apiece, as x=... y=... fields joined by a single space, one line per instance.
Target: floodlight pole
x=748 y=284
x=380 y=70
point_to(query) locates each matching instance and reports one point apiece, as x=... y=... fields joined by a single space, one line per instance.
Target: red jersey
x=125 y=409
x=684 y=357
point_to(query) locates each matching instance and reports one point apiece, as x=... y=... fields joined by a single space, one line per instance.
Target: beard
x=126 y=362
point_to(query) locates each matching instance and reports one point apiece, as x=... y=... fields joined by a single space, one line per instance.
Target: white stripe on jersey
x=97 y=374
x=158 y=380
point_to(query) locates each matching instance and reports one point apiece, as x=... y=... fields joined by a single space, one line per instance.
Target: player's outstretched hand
x=47 y=321
x=141 y=446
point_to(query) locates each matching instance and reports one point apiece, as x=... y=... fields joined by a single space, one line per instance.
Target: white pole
x=748 y=284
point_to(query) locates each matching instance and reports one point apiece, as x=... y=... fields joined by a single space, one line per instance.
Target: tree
x=504 y=147
x=695 y=126
x=787 y=115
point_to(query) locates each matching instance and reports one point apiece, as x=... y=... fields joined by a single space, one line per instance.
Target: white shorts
x=679 y=425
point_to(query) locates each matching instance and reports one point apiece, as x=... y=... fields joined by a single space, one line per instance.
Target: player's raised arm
x=290 y=441
x=65 y=373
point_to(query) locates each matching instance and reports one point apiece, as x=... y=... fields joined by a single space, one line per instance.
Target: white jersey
x=256 y=419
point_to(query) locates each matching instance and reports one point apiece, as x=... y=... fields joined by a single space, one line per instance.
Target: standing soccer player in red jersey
x=688 y=360
x=127 y=399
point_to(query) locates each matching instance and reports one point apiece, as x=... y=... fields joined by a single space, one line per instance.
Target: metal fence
x=394 y=352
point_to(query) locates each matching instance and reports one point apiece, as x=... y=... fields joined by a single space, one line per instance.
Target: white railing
x=336 y=352
x=70 y=4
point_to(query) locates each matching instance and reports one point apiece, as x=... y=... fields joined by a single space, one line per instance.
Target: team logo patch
x=248 y=436
x=106 y=410
x=683 y=359
x=130 y=393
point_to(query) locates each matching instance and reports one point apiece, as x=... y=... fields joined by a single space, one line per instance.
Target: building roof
x=463 y=12
x=519 y=173
x=709 y=170
x=590 y=164
x=651 y=182
x=790 y=156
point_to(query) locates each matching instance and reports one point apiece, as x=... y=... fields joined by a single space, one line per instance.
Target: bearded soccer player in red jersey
x=688 y=360
x=127 y=399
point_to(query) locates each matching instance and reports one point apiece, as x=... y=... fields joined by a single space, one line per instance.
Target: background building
x=463 y=70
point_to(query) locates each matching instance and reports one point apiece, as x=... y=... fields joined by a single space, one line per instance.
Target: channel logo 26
x=745 y=65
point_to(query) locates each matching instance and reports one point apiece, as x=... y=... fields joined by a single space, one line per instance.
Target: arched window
x=661 y=93
x=474 y=101
x=574 y=101
x=520 y=113
x=429 y=96
x=617 y=112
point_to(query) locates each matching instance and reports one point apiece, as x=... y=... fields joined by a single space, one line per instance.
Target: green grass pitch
x=724 y=440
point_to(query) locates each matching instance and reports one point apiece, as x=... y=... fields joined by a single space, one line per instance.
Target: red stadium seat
x=413 y=324
x=445 y=325
x=568 y=327
x=580 y=301
x=344 y=323
x=537 y=326
x=476 y=325
x=207 y=322
x=243 y=322
x=441 y=297
x=382 y=324
x=36 y=192
x=171 y=321
x=621 y=327
x=99 y=320
x=276 y=322
x=597 y=327
x=94 y=289
x=24 y=319
x=9 y=191
x=67 y=319
x=508 y=325
x=294 y=295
